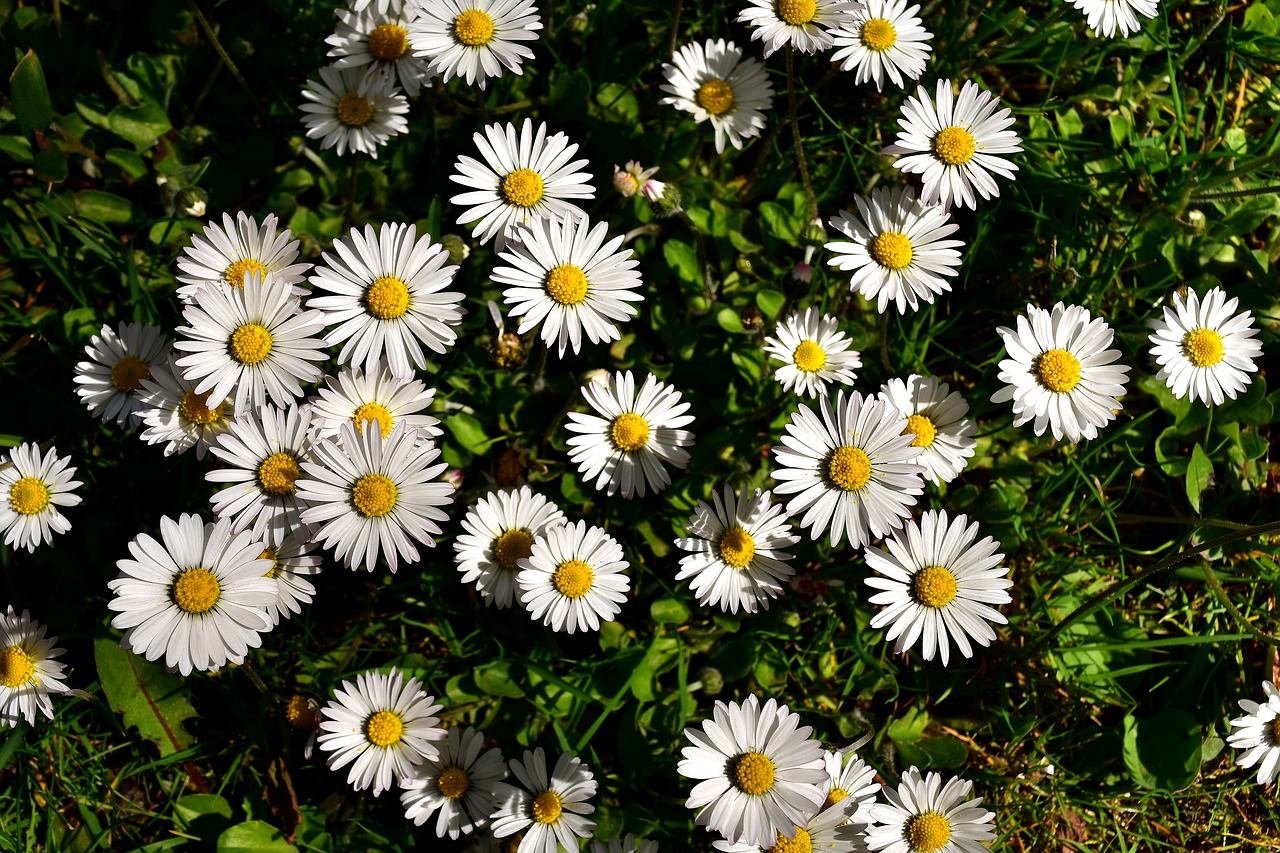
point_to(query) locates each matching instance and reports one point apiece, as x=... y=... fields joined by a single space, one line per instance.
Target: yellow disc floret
x=17 y=668
x=878 y=35
x=924 y=430
x=388 y=41
x=629 y=432
x=547 y=807
x=954 y=145
x=278 y=473
x=1057 y=370
x=235 y=273
x=809 y=357
x=573 y=578
x=355 y=110
x=387 y=298
x=196 y=591
x=834 y=796
x=473 y=28
x=194 y=408
x=127 y=373
x=797 y=12
x=849 y=468
x=250 y=344
x=374 y=495
x=927 y=832
x=511 y=547
x=1202 y=347
x=384 y=729
x=271 y=554
x=737 y=547
x=567 y=285
x=752 y=773
x=934 y=586
x=299 y=714
x=801 y=843
x=373 y=412
x=892 y=250
x=522 y=188
x=715 y=96
x=29 y=496
x=453 y=783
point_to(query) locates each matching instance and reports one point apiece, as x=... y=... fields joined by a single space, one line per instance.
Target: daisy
x=35 y=485
x=882 y=39
x=108 y=384
x=736 y=560
x=627 y=181
x=936 y=420
x=716 y=84
x=379 y=39
x=458 y=785
x=924 y=816
x=176 y=415
x=1060 y=372
x=28 y=671
x=358 y=397
x=547 y=809
x=1257 y=733
x=388 y=295
x=525 y=175
x=472 y=39
x=382 y=726
x=373 y=495
x=628 y=844
x=573 y=578
x=353 y=110
x=561 y=273
x=291 y=564
x=898 y=252
x=254 y=340
x=955 y=144
x=198 y=598
x=1107 y=16
x=813 y=353
x=626 y=447
x=938 y=580
x=499 y=532
x=849 y=781
x=824 y=831
x=851 y=469
x=1205 y=349
x=227 y=253
x=803 y=24
x=760 y=771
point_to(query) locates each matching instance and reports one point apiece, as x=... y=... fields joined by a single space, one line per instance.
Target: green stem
x=349 y=216
x=884 y=343
x=222 y=53
x=802 y=165
x=1203 y=198
x=1216 y=586
x=675 y=29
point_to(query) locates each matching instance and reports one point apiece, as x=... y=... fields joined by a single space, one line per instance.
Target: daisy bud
x=624 y=183
x=744 y=266
x=813 y=235
x=455 y=476
x=712 y=681
x=457 y=248
x=664 y=198
x=191 y=201
x=802 y=272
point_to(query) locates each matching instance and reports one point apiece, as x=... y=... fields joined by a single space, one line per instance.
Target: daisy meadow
x=499 y=531
x=1060 y=372
x=456 y=787
x=849 y=779
x=803 y=24
x=637 y=433
x=382 y=726
x=736 y=560
x=924 y=816
x=712 y=81
x=825 y=831
x=547 y=809
x=574 y=578
x=563 y=275
x=228 y=252
x=813 y=352
x=1204 y=348
x=197 y=598
x=291 y=564
x=353 y=110
x=627 y=844
x=759 y=772
x=936 y=419
x=955 y=143
x=882 y=39
x=377 y=41
x=35 y=485
x=474 y=39
x=176 y=415
x=1257 y=733
x=1107 y=16
x=356 y=396
x=108 y=384
x=28 y=671
x=388 y=294
x=851 y=469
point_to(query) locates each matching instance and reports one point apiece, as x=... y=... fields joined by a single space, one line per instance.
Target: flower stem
x=801 y=164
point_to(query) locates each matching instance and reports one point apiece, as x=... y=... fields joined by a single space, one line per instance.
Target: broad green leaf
x=140 y=125
x=1258 y=19
x=148 y=696
x=1199 y=470
x=729 y=320
x=128 y=161
x=910 y=726
x=782 y=224
x=1163 y=752
x=669 y=611
x=618 y=102
x=50 y=165
x=254 y=836
x=940 y=752
x=31 y=102
x=683 y=260
x=205 y=816
x=103 y=206
x=496 y=680
x=770 y=302
x=468 y=432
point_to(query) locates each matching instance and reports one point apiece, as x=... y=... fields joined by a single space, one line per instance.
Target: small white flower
x=34 y=485
x=573 y=578
x=882 y=39
x=627 y=844
x=1257 y=734
x=548 y=809
x=291 y=564
x=28 y=671
x=176 y=415
x=352 y=110
x=108 y=384
x=936 y=418
x=474 y=39
x=814 y=353
x=628 y=181
x=712 y=81
x=849 y=779
x=227 y=253
x=499 y=532
x=379 y=39
x=806 y=25
x=924 y=816
x=1107 y=16
x=1204 y=348
x=358 y=397
x=458 y=785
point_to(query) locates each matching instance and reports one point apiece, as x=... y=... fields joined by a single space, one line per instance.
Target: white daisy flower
x=849 y=780
x=760 y=771
x=388 y=295
x=925 y=816
x=549 y=810
x=28 y=671
x=198 y=598
x=382 y=726
x=626 y=844
x=851 y=469
x=573 y=578
x=824 y=831
x=898 y=252
x=563 y=275
x=737 y=559
x=804 y=24
x=457 y=786
x=108 y=384
x=291 y=564
x=882 y=39
x=1060 y=372
x=955 y=144
x=176 y=415
x=353 y=110
x=1204 y=348
x=1107 y=16
x=813 y=352
x=473 y=39
x=356 y=396
x=227 y=253
x=1257 y=733
x=713 y=81
x=381 y=7
x=373 y=495
x=525 y=175
x=35 y=485
x=379 y=40
x=639 y=431
x=936 y=418
x=499 y=531
x=255 y=341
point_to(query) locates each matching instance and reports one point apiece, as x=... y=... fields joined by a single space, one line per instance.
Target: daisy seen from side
x=805 y=25
x=35 y=485
x=292 y=563
x=1205 y=348
x=353 y=111
x=883 y=38
x=176 y=416
x=549 y=809
x=1257 y=734
x=574 y=578
x=936 y=418
x=456 y=787
x=924 y=816
x=1105 y=17
x=109 y=382
x=474 y=39
x=377 y=42
x=28 y=671
x=499 y=532
x=712 y=81
x=230 y=251
x=375 y=396
x=814 y=353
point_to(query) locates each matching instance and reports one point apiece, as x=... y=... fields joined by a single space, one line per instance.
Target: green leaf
x=31 y=102
x=1199 y=470
x=781 y=223
x=103 y=206
x=50 y=165
x=729 y=320
x=468 y=432
x=205 y=816
x=128 y=161
x=496 y=680
x=1258 y=19
x=140 y=125
x=254 y=836
x=618 y=102
x=770 y=302
x=148 y=696
x=683 y=260
x=941 y=752
x=909 y=727
x=669 y=611
x=1163 y=752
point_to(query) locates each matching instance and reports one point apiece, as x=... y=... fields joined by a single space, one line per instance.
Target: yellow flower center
x=927 y=832
x=573 y=578
x=298 y=713
x=629 y=432
x=752 y=773
x=278 y=473
x=373 y=412
x=715 y=96
x=387 y=298
x=737 y=547
x=878 y=35
x=849 y=468
x=235 y=273
x=800 y=844
x=388 y=41
x=1202 y=347
x=453 y=783
x=269 y=553
x=384 y=728
x=355 y=110
x=250 y=344
x=834 y=796
x=954 y=145
x=127 y=373
x=194 y=408
x=522 y=188
x=809 y=357
x=511 y=547
x=196 y=591
x=1057 y=370
x=797 y=12
x=924 y=430
x=29 y=496
x=934 y=586
x=567 y=285
x=892 y=251
x=374 y=495
x=473 y=28
x=17 y=668
x=547 y=807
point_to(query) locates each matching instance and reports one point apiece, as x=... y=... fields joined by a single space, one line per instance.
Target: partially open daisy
x=525 y=175
x=377 y=42
x=804 y=24
x=1204 y=348
x=353 y=110
x=563 y=275
x=499 y=532
x=33 y=485
x=291 y=564
x=882 y=38
x=759 y=771
x=627 y=844
x=574 y=578
x=849 y=780
x=197 y=598
x=109 y=382
x=939 y=582
x=924 y=816
x=896 y=249
x=388 y=295
x=1060 y=372
x=28 y=671
x=712 y=81
x=737 y=559
x=638 y=432
x=936 y=417
x=383 y=726
x=1257 y=733
x=955 y=144
x=826 y=831
x=230 y=251
x=548 y=809
x=814 y=353
x=474 y=39
x=176 y=416
x=1107 y=16
x=456 y=787
x=375 y=397
x=850 y=469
